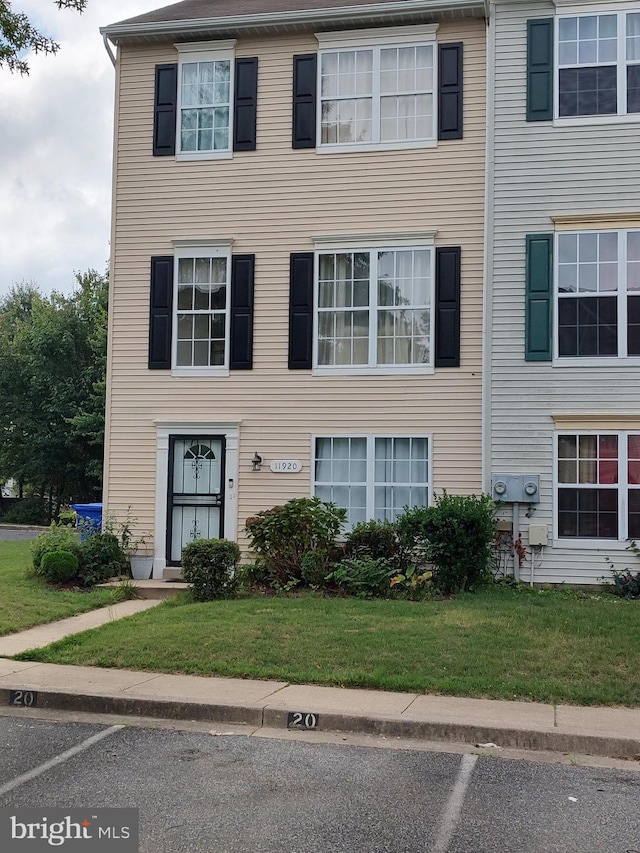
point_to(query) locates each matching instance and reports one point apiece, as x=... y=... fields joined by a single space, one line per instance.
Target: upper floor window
x=202 y=309
x=377 y=89
x=373 y=309
x=598 y=64
x=205 y=99
x=598 y=293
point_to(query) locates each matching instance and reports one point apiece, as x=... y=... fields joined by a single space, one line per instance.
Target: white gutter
x=301 y=16
x=107 y=47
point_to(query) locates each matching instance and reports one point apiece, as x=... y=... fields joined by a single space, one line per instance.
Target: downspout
x=107 y=47
x=487 y=285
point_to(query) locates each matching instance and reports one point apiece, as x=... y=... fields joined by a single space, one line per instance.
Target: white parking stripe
x=59 y=759
x=451 y=815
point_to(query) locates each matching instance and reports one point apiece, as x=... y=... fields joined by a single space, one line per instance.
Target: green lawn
x=501 y=643
x=25 y=601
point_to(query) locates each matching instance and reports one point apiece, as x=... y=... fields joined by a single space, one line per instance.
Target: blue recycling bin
x=88 y=519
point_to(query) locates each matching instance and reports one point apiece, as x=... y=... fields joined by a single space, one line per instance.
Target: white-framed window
x=598 y=294
x=598 y=485
x=598 y=62
x=205 y=99
x=372 y=476
x=373 y=309
x=201 y=300
x=377 y=89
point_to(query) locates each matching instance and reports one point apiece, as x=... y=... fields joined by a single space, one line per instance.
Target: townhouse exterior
x=297 y=261
x=563 y=277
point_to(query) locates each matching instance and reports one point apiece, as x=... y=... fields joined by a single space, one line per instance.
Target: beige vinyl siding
x=543 y=171
x=271 y=201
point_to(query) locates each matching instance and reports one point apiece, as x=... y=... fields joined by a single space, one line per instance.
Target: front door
x=196 y=499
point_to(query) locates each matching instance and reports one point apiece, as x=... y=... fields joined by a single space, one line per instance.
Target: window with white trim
x=205 y=99
x=598 y=294
x=598 y=64
x=598 y=488
x=377 y=94
x=372 y=476
x=202 y=309
x=373 y=308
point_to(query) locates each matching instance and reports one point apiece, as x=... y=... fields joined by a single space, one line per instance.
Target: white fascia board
x=271 y=19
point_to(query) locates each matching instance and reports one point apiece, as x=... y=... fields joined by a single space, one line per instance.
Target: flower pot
x=141 y=568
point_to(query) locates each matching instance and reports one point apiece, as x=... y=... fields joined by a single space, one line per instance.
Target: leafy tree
x=17 y=35
x=52 y=381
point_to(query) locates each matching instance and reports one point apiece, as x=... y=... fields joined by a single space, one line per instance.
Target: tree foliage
x=52 y=390
x=18 y=35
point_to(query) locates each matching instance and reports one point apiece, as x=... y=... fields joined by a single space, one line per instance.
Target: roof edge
x=240 y=22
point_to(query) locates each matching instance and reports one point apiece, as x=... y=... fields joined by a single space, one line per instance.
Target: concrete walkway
x=43 y=635
x=611 y=732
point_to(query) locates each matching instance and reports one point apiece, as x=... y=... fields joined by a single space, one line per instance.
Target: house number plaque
x=286 y=466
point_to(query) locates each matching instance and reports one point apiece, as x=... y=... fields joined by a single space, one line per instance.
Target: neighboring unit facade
x=297 y=257
x=563 y=277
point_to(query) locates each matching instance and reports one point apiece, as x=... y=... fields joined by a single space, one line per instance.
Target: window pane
x=634 y=514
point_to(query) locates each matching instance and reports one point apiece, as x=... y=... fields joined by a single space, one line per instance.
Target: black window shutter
x=161 y=313
x=242 y=277
x=538 y=295
x=447 y=321
x=301 y=311
x=245 y=104
x=450 y=91
x=540 y=69
x=164 y=111
x=304 y=100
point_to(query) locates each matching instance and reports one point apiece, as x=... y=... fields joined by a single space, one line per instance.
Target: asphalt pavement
x=211 y=793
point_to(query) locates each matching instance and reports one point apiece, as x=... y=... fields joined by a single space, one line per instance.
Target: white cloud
x=56 y=146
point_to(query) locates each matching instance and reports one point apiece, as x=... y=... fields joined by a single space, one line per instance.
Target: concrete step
x=172 y=574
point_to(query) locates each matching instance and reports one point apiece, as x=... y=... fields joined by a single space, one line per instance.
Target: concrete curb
x=264 y=716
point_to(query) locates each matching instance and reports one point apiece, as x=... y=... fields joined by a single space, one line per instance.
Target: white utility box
x=538 y=534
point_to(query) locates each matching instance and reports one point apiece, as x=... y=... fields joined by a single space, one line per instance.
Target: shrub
x=413 y=584
x=314 y=567
x=209 y=566
x=281 y=536
x=363 y=576
x=54 y=539
x=101 y=557
x=626 y=584
x=379 y=540
x=31 y=510
x=59 y=566
x=456 y=535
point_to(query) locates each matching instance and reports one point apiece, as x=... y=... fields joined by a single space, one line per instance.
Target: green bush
x=59 y=566
x=31 y=510
x=455 y=534
x=281 y=536
x=626 y=584
x=209 y=566
x=101 y=557
x=363 y=576
x=379 y=540
x=54 y=539
x=314 y=568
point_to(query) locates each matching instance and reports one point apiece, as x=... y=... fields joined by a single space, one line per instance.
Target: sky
x=56 y=138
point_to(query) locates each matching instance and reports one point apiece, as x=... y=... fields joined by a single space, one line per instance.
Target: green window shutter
x=539 y=296
x=540 y=69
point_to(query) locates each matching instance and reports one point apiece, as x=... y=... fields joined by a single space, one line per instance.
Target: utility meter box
x=516 y=488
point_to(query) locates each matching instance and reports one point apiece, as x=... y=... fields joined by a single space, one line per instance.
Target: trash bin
x=88 y=519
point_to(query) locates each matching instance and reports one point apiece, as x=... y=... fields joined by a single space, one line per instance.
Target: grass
x=25 y=601
x=500 y=643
